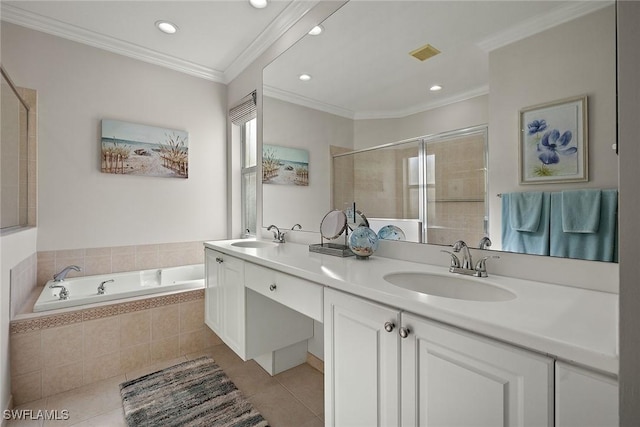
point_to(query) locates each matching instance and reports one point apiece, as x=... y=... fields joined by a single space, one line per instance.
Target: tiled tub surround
x=58 y=352
x=116 y=286
x=117 y=259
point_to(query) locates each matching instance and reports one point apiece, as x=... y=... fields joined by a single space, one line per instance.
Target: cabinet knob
x=389 y=326
x=404 y=332
x=219 y=260
x=272 y=287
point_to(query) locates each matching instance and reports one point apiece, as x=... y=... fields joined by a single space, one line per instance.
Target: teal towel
x=599 y=246
x=581 y=211
x=524 y=210
x=535 y=242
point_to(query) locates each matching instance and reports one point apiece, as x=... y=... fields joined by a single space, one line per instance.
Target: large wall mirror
x=367 y=110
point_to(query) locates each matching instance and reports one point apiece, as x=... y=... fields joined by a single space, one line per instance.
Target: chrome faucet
x=296 y=225
x=467 y=262
x=101 y=288
x=485 y=243
x=59 y=277
x=278 y=236
x=466 y=266
x=64 y=293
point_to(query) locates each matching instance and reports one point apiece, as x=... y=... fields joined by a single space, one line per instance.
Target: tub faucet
x=59 y=277
x=278 y=236
x=64 y=293
x=101 y=287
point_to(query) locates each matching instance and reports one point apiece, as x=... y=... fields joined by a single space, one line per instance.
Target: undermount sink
x=254 y=244
x=449 y=286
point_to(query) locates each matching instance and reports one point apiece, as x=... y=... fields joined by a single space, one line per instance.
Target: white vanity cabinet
x=249 y=323
x=388 y=368
x=225 y=299
x=361 y=374
x=585 y=398
x=454 y=378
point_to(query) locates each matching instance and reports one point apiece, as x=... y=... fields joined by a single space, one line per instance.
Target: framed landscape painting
x=285 y=165
x=135 y=149
x=554 y=144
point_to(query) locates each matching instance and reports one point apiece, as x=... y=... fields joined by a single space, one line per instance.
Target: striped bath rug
x=193 y=393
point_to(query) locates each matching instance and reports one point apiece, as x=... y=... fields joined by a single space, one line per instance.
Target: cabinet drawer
x=293 y=292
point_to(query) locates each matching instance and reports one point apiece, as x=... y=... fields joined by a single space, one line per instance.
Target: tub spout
x=59 y=277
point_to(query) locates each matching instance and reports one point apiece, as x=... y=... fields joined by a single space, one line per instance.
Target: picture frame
x=137 y=149
x=285 y=165
x=554 y=142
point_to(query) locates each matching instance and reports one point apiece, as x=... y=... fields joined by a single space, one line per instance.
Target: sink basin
x=456 y=287
x=254 y=244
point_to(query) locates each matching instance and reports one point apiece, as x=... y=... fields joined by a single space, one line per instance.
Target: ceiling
x=365 y=44
x=216 y=40
x=361 y=67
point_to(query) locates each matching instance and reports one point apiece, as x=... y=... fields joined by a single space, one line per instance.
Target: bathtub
x=84 y=290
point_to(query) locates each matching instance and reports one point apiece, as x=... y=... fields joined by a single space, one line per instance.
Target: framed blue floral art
x=554 y=142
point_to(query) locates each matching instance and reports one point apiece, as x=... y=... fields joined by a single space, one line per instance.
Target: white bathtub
x=84 y=290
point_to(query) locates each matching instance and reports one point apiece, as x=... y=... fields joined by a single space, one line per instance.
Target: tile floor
x=293 y=398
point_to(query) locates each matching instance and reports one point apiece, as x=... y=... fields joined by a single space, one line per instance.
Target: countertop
x=572 y=324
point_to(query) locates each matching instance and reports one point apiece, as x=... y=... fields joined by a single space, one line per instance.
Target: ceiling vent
x=425 y=52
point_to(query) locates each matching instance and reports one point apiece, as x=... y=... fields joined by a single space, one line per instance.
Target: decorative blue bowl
x=363 y=242
x=391 y=232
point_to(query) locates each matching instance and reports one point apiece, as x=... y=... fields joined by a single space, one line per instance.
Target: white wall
x=78 y=86
x=291 y=125
x=573 y=59
x=14 y=248
x=459 y=115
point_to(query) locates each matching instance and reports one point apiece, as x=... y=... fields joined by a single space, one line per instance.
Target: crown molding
x=283 y=22
x=420 y=108
x=71 y=32
x=544 y=22
x=294 y=98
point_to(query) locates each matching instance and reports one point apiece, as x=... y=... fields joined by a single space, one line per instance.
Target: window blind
x=246 y=110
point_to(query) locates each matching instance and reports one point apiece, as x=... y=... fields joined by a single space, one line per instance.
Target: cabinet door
x=454 y=378
x=585 y=398
x=231 y=286
x=361 y=362
x=212 y=302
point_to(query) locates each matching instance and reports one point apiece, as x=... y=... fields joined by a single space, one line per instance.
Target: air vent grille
x=425 y=52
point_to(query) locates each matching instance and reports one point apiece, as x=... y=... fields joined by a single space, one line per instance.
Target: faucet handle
x=481 y=265
x=455 y=262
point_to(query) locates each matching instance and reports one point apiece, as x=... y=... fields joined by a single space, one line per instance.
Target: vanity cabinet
x=225 y=299
x=585 y=398
x=249 y=323
x=387 y=367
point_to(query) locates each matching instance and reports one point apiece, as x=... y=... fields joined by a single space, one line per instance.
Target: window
x=249 y=156
x=244 y=116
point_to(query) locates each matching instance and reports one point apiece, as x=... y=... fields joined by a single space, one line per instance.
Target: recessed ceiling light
x=315 y=31
x=258 y=4
x=167 y=27
x=304 y=77
x=435 y=88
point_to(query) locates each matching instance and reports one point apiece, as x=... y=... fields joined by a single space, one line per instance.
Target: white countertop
x=572 y=324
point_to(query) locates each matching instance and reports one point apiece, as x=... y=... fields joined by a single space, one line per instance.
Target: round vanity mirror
x=355 y=218
x=333 y=224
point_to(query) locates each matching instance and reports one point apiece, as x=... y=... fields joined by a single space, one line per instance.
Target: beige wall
x=569 y=60
x=460 y=115
x=78 y=86
x=291 y=125
x=629 y=129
